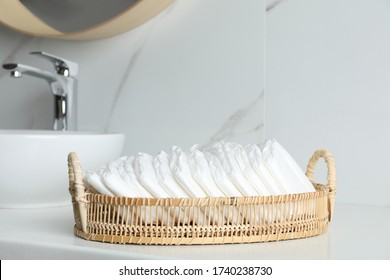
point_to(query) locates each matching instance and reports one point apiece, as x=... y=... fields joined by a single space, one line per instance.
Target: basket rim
x=205 y=201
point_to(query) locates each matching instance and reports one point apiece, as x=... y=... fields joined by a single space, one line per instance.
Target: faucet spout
x=29 y=70
x=56 y=82
x=63 y=88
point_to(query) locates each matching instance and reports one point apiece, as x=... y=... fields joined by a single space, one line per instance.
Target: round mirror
x=75 y=19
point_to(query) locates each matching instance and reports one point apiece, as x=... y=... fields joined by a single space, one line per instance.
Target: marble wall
x=328 y=85
x=193 y=74
x=196 y=73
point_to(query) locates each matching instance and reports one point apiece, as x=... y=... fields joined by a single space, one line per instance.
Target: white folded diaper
x=126 y=170
x=165 y=177
x=98 y=178
x=95 y=180
x=255 y=157
x=220 y=177
x=202 y=174
x=231 y=168
x=223 y=169
x=182 y=173
x=284 y=169
x=240 y=155
x=144 y=170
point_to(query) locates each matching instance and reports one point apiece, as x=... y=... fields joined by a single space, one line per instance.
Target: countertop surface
x=356 y=232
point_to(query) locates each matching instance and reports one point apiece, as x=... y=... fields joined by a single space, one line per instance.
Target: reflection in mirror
x=74 y=15
x=78 y=20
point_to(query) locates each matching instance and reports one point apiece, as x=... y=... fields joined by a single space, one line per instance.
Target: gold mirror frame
x=16 y=16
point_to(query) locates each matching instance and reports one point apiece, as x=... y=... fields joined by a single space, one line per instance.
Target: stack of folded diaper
x=223 y=169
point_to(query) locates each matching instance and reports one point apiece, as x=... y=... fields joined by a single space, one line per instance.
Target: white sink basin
x=33 y=164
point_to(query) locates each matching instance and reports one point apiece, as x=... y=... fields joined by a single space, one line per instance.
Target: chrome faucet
x=63 y=85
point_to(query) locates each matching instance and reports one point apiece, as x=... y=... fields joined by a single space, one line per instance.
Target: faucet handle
x=63 y=67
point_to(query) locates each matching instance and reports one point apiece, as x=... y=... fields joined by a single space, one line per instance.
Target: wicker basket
x=201 y=220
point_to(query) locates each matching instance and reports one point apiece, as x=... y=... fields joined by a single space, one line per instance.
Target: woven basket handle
x=77 y=191
x=331 y=185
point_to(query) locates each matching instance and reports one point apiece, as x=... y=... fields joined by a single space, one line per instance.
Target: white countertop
x=356 y=232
